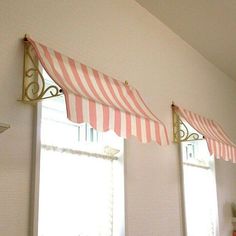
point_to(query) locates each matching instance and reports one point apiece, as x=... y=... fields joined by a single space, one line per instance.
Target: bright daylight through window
x=199 y=188
x=81 y=190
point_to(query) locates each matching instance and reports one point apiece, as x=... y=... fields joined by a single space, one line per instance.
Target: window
x=81 y=185
x=199 y=189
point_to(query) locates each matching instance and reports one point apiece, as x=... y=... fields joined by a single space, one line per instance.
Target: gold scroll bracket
x=35 y=88
x=182 y=131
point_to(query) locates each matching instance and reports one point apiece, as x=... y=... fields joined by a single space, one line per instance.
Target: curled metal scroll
x=181 y=132
x=34 y=86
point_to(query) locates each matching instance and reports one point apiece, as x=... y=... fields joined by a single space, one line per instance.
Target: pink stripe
x=202 y=126
x=77 y=78
x=117 y=122
x=230 y=153
x=99 y=83
x=131 y=95
x=208 y=127
x=90 y=84
x=122 y=96
x=128 y=125
x=234 y=154
x=64 y=71
x=113 y=93
x=220 y=149
x=166 y=134
x=222 y=134
x=79 y=109
x=148 y=130
x=224 y=151
x=189 y=118
x=157 y=129
x=138 y=128
x=214 y=147
x=57 y=77
x=217 y=135
x=92 y=114
x=209 y=144
x=43 y=62
x=105 y=118
x=227 y=151
x=68 y=107
x=197 y=123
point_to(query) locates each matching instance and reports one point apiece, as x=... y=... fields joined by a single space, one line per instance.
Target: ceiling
x=209 y=26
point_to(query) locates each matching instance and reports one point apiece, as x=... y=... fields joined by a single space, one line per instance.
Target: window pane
x=199 y=189
x=76 y=192
x=75 y=195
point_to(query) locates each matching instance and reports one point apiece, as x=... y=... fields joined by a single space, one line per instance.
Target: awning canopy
x=218 y=142
x=96 y=98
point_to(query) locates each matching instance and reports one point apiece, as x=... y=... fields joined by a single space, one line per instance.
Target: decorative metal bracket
x=181 y=132
x=34 y=86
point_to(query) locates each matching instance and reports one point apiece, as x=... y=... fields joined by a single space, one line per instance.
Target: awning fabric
x=96 y=98
x=218 y=142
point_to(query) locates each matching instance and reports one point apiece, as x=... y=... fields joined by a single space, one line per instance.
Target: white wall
x=225 y=176
x=122 y=39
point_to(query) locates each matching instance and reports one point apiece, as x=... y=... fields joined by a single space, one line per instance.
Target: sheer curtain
x=76 y=195
x=199 y=201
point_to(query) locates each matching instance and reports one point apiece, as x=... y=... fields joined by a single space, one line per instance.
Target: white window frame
x=119 y=176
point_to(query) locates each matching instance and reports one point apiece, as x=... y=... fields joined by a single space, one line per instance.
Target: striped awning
x=98 y=99
x=219 y=144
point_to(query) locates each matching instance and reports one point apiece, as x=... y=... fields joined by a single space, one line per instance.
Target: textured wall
x=122 y=39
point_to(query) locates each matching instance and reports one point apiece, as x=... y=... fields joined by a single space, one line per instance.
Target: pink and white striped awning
x=96 y=98
x=219 y=144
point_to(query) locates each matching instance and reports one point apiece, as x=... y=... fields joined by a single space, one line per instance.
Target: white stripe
x=230 y=152
x=210 y=146
x=71 y=76
x=133 y=125
x=99 y=114
x=46 y=63
x=217 y=154
x=72 y=107
x=107 y=91
x=116 y=92
x=152 y=129
x=143 y=130
x=162 y=134
x=227 y=151
x=59 y=71
x=95 y=85
x=84 y=81
x=211 y=131
x=123 y=124
x=219 y=150
x=223 y=135
x=111 y=118
x=130 y=100
x=234 y=156
x=85 y=108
